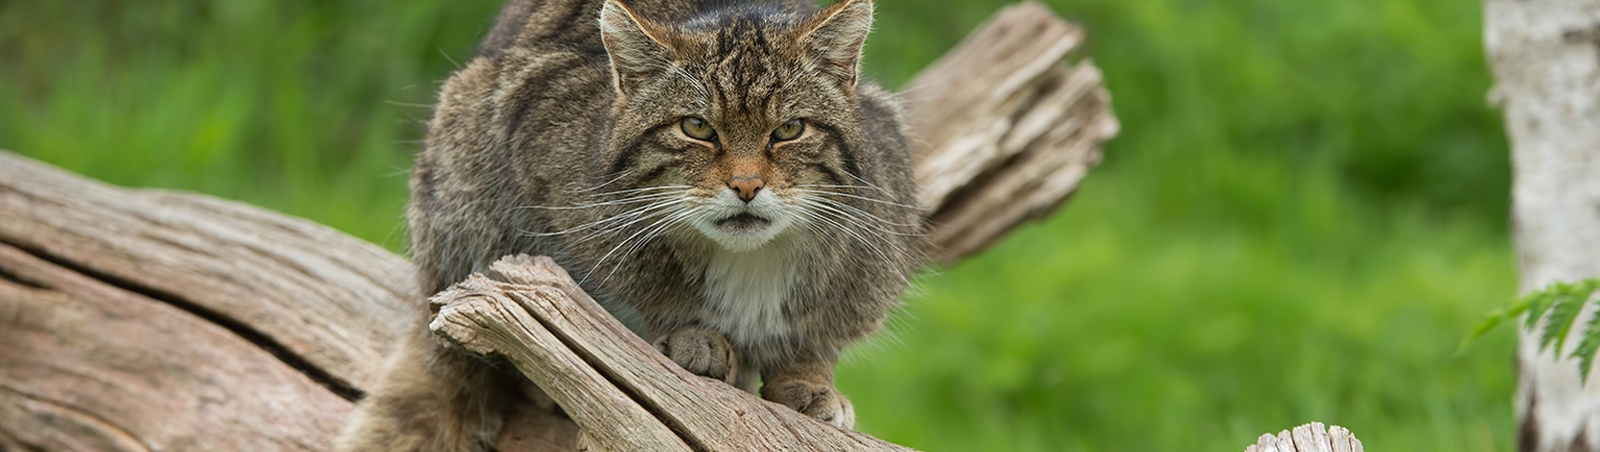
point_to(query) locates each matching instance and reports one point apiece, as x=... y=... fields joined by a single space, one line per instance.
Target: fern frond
x=1558 y=306
x=1537 y=302
x=1563 y=313
x=1533 y=304
x=1490 y=320
x=1587 y=346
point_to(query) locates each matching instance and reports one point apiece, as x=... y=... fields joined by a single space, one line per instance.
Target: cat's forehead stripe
x=747 y=76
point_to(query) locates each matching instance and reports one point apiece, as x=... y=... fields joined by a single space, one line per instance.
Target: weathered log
x=1308 y=438
x=180 y=322
x=1546 y=57
x=156 y=320
x=624 y=394
x=87 y=365
x=1026 y=128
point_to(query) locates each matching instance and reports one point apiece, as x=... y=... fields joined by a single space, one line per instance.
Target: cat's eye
x=698 y=128
x=789 y=130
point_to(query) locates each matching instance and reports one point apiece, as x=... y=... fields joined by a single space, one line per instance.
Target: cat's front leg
x=701 y=351
x=807 y=387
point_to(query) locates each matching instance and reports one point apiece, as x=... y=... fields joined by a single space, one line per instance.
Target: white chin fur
x=727 y=204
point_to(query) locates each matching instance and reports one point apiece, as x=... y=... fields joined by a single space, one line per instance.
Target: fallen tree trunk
x=152 y=320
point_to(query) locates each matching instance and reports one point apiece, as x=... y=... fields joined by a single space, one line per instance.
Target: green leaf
x=1488 y=323
x=1590 y=342
x=1563 y=313
x=1493 y=319
x=1586 y=348
x=1537 y=303
x=1560 y=302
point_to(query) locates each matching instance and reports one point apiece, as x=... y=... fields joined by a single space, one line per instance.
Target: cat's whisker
x=613 y=250
x=639 y=195
x=858 y=179
x=858 y=211
x=817 y=216
x=635 y=213
x=656 y=232
x=853 y=218
x=636 y=216
x=619 y=175
x=640 y=216
x=869 y=184
x=822 y=197
x=625 y=242
x=830 y=186
x=800 y=188
x=632 y=200
x=818 y=231
x=858 y=222
x=646 y=189
x=862 y=181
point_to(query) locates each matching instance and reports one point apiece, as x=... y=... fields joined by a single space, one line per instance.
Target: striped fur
x=564 y=138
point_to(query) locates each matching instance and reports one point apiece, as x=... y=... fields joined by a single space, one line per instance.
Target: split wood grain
x=86 y=366
x=299 y=295
x=319 y=295
x=1008 y=129
x=1312 y=437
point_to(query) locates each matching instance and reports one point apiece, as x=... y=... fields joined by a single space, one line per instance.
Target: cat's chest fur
x=745 y=293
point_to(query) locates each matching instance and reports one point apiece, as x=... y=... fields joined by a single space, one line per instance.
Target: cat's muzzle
x=743 y=222
x=737 y=225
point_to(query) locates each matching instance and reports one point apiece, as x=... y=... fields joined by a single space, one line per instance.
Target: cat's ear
x=635 y=46
x=835 y=36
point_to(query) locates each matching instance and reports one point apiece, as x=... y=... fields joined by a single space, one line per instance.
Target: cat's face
x=734 y=123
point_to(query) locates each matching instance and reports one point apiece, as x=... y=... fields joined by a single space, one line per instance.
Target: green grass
x=1304 y=213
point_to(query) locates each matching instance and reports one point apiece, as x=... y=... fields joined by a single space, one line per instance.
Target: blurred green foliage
x=1305 y=211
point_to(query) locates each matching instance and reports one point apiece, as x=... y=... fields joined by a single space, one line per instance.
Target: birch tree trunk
x=1546 y=60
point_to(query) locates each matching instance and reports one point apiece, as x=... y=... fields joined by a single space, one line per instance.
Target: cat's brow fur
x=563 y=138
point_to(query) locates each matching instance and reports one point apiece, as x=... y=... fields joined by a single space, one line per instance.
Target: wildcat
x=713 y=172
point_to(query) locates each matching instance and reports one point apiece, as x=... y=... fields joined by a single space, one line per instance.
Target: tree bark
x=154 y=320
x=1546 y=60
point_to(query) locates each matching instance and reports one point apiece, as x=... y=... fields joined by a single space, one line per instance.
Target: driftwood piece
x=1029 y=128
x=624 y=394
x=134 y=320
x=85 y=365
x=305 y=292
x=1308 y=438
x=156 y=320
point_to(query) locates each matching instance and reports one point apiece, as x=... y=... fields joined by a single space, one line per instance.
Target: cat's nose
x=745 y=186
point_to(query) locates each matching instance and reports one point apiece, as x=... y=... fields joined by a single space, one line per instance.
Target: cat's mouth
x=743 y=222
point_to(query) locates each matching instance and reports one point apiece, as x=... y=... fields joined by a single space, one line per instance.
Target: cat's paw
x=820 y=401
x=701 y=351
